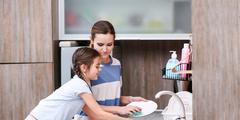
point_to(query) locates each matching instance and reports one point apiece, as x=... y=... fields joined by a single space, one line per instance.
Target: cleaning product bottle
x=170 y=64
x=185 y=58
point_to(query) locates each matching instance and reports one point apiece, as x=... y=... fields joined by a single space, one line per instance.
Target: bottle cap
x=186 y=45
x=174 y=55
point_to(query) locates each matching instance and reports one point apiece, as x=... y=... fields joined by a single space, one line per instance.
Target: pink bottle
x=185 y=58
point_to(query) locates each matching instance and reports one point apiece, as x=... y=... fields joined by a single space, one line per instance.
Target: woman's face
x=104 y=44
x=92 y=73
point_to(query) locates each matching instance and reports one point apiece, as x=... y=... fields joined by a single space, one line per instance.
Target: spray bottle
x=170 y=64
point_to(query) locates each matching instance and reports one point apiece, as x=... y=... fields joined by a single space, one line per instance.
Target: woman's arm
x=97 y=113
x=128 y=99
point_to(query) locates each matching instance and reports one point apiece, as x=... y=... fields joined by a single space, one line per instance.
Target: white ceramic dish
x=147 y=107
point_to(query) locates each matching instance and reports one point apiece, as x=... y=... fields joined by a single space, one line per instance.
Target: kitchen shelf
x=176 y=73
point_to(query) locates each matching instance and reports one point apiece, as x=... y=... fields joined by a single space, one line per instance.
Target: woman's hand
x=136 y=99
x=128 y=99
x=128 y=110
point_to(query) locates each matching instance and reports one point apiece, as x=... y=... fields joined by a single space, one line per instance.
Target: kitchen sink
x=156 y=115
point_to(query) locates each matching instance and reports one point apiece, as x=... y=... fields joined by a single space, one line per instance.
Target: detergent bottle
x=185 y=58
x=172 y=62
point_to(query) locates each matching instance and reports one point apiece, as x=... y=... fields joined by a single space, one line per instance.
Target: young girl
x=66 y=101
x=107 y=88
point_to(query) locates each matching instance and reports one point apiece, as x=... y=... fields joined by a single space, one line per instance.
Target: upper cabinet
x=132 y=19
x=26 y=31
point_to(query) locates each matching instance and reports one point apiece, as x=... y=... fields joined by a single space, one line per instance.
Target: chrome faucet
x=183 y=117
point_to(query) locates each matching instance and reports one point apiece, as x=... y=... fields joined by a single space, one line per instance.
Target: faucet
x=177 y=98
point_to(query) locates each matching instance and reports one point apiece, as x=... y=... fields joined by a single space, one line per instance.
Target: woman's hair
x=102 y=27
x=83 y=56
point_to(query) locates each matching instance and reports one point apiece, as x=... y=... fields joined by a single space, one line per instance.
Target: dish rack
x=177 y=72
x=173 y=109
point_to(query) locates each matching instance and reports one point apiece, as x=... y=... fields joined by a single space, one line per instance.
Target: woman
x=107 y=88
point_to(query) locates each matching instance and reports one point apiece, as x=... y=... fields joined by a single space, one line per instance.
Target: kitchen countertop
x=153 y=116
x=157 y=115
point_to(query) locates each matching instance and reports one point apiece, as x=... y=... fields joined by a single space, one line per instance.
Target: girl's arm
x=120 y=110
x=97 y=113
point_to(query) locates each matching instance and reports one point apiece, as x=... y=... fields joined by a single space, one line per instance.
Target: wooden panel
x=26 y=31
x=55 y=26
x=216 y=59
x=21 y=88
x=142 y=62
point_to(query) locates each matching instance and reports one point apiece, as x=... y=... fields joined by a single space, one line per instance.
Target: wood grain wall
x=26 y=61
x=216 y=59
x=21 y=88
x=142 y=62
x=26 y=31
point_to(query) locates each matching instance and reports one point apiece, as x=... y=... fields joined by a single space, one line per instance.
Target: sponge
x=136 y=114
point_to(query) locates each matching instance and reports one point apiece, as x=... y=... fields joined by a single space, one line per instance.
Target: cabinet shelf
x=166 y=20
x=178 y=74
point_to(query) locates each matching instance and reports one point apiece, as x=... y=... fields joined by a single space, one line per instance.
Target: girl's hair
x=102 y=27
x=83 y=56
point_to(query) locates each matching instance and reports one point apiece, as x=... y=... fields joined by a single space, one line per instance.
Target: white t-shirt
x=63 y=103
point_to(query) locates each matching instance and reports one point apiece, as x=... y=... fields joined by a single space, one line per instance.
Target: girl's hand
x=128 y=110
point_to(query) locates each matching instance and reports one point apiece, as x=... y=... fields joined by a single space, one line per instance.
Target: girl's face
x=104 y=44
x=93 y=71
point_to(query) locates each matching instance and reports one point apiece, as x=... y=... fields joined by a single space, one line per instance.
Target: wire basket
x=181 y=71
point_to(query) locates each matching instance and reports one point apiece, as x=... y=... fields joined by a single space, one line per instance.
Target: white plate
x=147 y=107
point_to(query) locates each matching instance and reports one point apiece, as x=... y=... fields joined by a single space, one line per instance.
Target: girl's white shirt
x=63 y=103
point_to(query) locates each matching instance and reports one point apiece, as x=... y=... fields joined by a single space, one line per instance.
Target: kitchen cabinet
x=216 y=60
x=22 y=86
x=133 y=20
x=26 y=31
x=26 y=61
